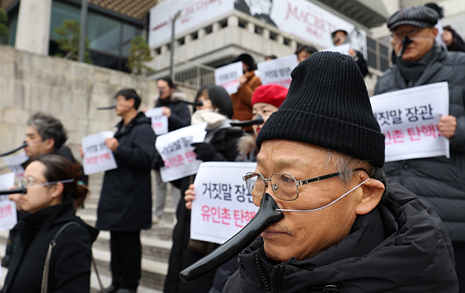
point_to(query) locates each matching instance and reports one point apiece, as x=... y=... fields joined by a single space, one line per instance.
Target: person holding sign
x=248 y=83
x=179 y=116
x=340 y=37
x=440 y=181
x=345 y=228
x=126 y=198
x=51 y=200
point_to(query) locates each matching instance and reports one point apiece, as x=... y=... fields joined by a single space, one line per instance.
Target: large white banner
x=409 y=120
x=177 y=153
x=7 y=208
x=228 y=76
x=97 y=156
x=222 y=204
x=278 y=71
x=159 y=121
x=193 y=13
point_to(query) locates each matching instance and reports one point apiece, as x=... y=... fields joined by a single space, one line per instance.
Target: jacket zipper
x=276 y=276
x=262 y=275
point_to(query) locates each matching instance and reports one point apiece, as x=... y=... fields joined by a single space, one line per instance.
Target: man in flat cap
x=345 y=227
x=440 y=181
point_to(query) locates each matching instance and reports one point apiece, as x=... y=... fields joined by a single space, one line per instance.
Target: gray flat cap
x=420 y=16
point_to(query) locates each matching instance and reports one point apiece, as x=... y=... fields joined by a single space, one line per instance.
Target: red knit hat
x=272 y=94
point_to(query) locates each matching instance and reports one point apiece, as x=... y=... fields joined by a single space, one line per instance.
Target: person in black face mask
x=440 y=181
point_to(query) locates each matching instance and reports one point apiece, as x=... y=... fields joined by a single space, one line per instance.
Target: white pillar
x=187 y=39
x=280 y=39
x=201 y=33
x=251 y=27
x=233 y=21
x=215 y=27
x=33 y=32
x=266 y=33
x=293 y=45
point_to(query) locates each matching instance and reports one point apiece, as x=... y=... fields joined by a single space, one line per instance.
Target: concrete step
x=162 y=230
x=91 y=210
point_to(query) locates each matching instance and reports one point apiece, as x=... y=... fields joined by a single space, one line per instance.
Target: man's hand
x=447 y=126
x=16 y=198
x=352 y=53
x=112 y=143
x=166 y=111
x=242 y=80
x=190 y=196
x=447 y=37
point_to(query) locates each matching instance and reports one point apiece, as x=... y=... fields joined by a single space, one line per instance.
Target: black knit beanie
x=328 y=106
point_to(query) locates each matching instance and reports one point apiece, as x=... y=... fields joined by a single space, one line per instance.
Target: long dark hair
x=58 y=168
x=220 y=99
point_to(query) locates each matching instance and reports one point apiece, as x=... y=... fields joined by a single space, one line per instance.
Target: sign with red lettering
x=278 y=71
x=228 y=76
x=177 y=153
x=7 y=208
x=97 y=156
x=409 y=120
x=159 y=121
x=223 y=205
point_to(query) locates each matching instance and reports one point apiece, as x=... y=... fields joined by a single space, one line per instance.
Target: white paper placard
x=228 y=76
x=7 y=208
x=343 y=49
x=409 y=120
x=278 y=71
x=14 y=162
x=222 y=204
x=177 y=153
x=159 y=121
x=97 y=156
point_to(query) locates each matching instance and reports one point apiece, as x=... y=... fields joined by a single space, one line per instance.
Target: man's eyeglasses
x=28 y=182
x=284 y=185
x=399 y=35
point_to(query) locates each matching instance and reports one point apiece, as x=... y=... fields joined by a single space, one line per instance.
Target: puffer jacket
x=401 y=246
x=439 y=181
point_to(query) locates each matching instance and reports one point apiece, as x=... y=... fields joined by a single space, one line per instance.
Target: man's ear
x=49 y=144
x=132 y=102
x=372 y=192
x=435 y=32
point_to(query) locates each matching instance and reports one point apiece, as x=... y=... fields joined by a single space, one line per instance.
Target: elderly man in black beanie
x=345 y=228
x=440 y=181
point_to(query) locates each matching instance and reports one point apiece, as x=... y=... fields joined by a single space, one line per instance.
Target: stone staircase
x=156 y=243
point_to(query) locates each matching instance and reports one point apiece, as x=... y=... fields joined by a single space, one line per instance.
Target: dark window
x=273 y=36
x=384 y=63
x=371 y=44
x=383 y=50
x=258 y=30
x=224 y=24
x=372 y=59
x=195 y=36
x=242 y=24
x=104 y=34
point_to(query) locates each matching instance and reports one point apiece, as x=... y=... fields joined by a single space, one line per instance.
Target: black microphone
x=256 y=121
x=107 y=108
x=197 y=104
x=14 y=150
x=405 y=42
x=21 y=190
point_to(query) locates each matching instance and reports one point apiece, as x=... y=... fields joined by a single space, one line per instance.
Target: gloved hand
x=158 y=162
x=204 y=151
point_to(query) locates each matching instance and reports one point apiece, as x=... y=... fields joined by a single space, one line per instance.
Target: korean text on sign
x=97 y=156
x=278 y=71
x=228 y=76
x=177 y=153
x=159 y=121
x=409 y=121
x=7 y=208
x=223 y=204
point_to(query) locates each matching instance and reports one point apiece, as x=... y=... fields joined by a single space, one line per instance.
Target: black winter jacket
x=126 y=197
x=438 y=180
x=225 y=143
x=400 y=247
x=71 y=256
x=180 y=114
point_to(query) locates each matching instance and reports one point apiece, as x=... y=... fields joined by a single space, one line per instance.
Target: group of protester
x=355 y=225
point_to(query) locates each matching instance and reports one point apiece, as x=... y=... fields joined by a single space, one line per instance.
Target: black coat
x=225 y=143
x=71 y=256
x=180 y=114
x=126 y=197
x=401 y=246
x=439 y=181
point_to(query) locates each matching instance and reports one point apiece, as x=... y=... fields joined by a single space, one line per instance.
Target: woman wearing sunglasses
x=51 y=200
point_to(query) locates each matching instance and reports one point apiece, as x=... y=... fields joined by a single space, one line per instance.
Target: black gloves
x=204 y=151
x=158 y=162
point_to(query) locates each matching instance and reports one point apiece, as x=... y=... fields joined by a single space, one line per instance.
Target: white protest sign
x=177 y=153
x=343 y=49
x=438 y=38
x=14 y=162
x=222 y=204
x=228 y=76
x=409 y=120
x=97 y=156
x=278 y=71
x=159 y=121
x=7 y=208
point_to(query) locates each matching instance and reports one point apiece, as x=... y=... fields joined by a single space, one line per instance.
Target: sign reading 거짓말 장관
x=409 y=120
x=222 y=205
x=301 y=18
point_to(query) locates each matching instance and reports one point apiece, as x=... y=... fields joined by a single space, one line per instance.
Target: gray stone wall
x=68 y=90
